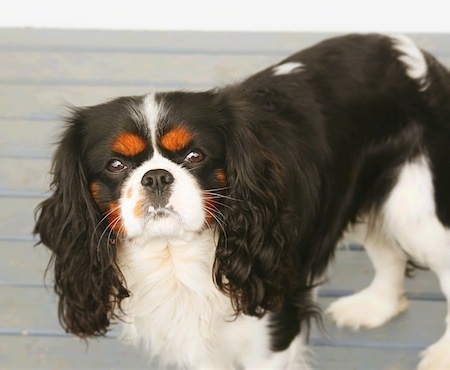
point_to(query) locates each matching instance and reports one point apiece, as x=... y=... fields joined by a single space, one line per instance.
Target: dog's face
x=155 y=165
x=170 y=165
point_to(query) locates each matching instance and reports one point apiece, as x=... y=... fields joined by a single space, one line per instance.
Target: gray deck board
x=42 y=72
x=33 y=175
x=25 y=264
x=27 y=138
x=63 y=68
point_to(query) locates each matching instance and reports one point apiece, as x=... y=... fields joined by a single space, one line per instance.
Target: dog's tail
x=431 y=77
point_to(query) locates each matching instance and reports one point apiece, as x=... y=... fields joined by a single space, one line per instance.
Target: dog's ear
x=253 y=264
x=263 y=253
x=69 y=223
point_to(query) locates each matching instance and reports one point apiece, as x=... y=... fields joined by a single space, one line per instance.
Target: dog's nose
x=158 y=180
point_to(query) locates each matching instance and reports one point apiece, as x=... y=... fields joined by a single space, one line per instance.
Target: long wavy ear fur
x=251 y=252
x=87 y=279
x=257 y=251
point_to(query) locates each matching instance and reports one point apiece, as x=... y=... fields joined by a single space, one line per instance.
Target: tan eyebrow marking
x=176 y=139
x=129 y=144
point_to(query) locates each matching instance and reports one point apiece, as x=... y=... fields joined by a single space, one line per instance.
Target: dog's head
x=154 y=165
x=167 y=165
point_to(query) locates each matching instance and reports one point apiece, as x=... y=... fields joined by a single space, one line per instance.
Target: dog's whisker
x=218 y=195
x=218 y=220
x=105 y=217
x=109 y=227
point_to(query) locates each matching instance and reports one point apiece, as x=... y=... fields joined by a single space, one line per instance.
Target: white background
x=231 y=15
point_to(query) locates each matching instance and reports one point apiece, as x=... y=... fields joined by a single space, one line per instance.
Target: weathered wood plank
x=120 y=69
x=357 y=358
x=29 y=310
x=37 y=352
x=45 y=102
x=25 y=175
x=22 y=138
x=154 y=41
x=17 y=216
x=70 y=353
x=166 y=42
x=23 y=264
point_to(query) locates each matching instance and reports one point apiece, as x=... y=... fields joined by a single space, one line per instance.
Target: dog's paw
x=437 y=356
x=366 y=309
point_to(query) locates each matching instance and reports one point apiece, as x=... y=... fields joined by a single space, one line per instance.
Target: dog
x=204 y=221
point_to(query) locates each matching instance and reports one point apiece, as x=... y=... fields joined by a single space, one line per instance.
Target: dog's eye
x=195 y=156
x=115 y=166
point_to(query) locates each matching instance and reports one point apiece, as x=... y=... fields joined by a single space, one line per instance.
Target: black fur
x=304 y=154
x=87 y=279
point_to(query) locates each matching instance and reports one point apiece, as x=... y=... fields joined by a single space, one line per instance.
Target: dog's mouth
x=161 y=212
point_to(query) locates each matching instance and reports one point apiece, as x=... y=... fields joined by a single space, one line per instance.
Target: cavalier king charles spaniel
x=204 y=221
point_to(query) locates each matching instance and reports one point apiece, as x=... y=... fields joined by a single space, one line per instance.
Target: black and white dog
x=204 y=220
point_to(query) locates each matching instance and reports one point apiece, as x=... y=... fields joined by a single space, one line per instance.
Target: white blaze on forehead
x=413 y=58
x=184 y=209
x=152 y=111
x=288 y=67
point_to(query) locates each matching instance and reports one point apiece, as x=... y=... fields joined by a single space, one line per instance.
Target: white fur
x=286 y=68
x=383 y=298
x=152 y=112
x=413 y=58
x=185 y=212
x=185 y=206
x=408 y=226
x=411 y=217
x=175 y=311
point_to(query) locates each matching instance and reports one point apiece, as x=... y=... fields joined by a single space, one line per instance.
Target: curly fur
x=87 y=279
x=263 y=183
x=256 y=263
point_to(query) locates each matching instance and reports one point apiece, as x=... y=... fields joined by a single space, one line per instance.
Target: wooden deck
x=41 y=72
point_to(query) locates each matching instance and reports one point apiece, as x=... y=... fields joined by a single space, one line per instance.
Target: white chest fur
x=174 y=310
